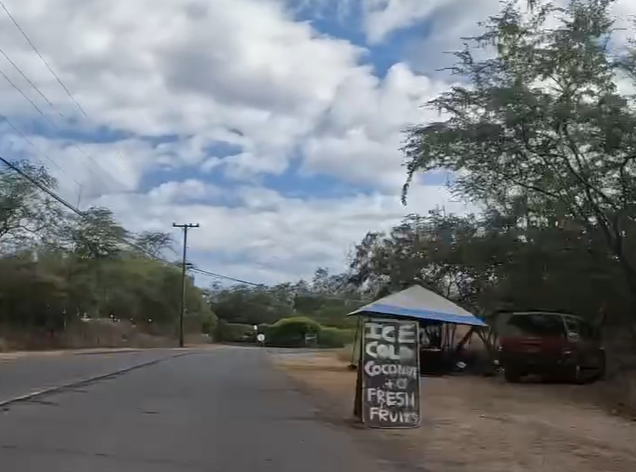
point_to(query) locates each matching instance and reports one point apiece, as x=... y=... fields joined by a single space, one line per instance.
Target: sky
x=274 y=124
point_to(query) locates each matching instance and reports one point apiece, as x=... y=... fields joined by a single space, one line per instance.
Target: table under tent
x=445 y=328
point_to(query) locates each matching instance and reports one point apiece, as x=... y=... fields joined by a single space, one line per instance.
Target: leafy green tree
x=541 y=125
x=26 y=213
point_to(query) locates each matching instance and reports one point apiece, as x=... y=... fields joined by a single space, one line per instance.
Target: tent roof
x=420 y=303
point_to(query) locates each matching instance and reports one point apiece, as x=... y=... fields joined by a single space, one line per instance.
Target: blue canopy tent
x=420 y=304
x=438 y=318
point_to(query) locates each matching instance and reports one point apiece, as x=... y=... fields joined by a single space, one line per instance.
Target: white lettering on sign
x=407 y=334
x=386 y=333
x=372 y=369
x=390 y=398
x=374 y=331
x=376 y=412
x=388 y=351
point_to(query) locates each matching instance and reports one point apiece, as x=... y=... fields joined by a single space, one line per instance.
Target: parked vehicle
x=556 y=345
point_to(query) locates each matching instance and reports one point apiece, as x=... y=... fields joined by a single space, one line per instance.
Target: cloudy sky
x=274 y=124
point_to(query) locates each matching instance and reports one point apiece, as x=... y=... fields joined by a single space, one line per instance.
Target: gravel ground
x=484 y=425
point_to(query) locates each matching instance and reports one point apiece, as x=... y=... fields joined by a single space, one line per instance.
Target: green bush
x=334 y=337
x=291 y=332
x=234 y=332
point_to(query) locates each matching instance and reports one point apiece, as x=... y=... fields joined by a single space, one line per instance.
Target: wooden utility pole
x=185 y=228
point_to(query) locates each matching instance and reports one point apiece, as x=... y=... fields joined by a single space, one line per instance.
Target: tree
x=154 y=243
x=26 y=213
x=542 y=125
x=58 y=267
x=96 y=234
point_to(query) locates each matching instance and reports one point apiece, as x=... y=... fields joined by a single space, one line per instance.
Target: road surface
x=217 y=410
x=38 y=372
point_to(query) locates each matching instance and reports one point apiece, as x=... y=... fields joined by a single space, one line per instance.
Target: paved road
x=28 y=374
x=222 y=410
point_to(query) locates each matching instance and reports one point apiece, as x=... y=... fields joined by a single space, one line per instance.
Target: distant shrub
x=234 y=332
x=291 y=332
x=334 y=337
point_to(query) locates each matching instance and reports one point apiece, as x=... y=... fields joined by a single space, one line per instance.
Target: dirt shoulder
x=485 y=425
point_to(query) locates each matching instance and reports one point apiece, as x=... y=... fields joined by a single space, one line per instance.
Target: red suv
x=558 y=345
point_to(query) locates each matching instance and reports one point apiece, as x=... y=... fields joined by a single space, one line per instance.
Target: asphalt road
x=218 y=410
x=38 y=372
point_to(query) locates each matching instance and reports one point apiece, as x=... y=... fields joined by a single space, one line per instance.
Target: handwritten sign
x=390 y=374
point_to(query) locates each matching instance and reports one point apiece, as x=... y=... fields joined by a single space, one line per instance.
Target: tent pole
x=355 y=342
x=357 y=403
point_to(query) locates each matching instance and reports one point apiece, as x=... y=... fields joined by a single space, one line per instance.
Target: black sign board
x=390 y=374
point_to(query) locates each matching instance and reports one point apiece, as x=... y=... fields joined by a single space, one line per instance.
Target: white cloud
x=360 y=136
x=287 y=236
x=238 y=72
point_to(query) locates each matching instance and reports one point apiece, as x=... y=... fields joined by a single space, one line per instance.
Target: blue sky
x=274 y=124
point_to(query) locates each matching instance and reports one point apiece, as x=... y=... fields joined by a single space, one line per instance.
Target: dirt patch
x=485 y=425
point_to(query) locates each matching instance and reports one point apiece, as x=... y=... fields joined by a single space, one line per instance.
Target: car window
x=572 y=326
x=535 y=325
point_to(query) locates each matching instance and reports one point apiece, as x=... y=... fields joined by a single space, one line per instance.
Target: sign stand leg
x=357 y=405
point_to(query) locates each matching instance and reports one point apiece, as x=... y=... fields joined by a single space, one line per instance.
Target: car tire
x=577 y=375
x=511 y=375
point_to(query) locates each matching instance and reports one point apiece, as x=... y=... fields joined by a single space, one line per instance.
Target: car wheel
x=511 y=375
x=577 y=375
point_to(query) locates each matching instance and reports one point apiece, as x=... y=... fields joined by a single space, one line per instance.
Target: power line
x=261 y=285
x=226 y=277
x=46 y=190
x=15 y=22
x=185 y=228
x=51 y=122
x=59 y=81
x=26 y=97
x=35 y=87
x=28 y=140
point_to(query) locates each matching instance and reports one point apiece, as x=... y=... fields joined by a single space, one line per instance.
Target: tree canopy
x=540 y=130
x=59 y=268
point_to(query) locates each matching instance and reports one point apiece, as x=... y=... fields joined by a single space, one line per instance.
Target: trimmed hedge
x=335 y=337
x=292 y=332
x=234 y=332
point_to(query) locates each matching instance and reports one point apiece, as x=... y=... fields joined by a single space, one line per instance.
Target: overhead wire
x=30 y=82
x=82 y=151
x=255 y=284
x=42 y=187
x=17 y=25
x=28 y=140
x=52 y=123
x=193 y=268
x=226 y=277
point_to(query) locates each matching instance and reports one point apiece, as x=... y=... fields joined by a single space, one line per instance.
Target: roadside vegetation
x=83 y=281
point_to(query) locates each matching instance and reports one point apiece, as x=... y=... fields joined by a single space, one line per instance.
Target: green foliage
x=291 y=332
x=335 y=337
x=58 y=268
x=543 y=138
x=234 y=332
x=327 y=299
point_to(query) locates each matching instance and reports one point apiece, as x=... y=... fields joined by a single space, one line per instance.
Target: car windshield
x=535 y=325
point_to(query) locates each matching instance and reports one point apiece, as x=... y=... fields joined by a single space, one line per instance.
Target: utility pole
x=185 y=228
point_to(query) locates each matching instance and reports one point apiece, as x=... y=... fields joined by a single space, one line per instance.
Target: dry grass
x=98 y=334
x=484 y=425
